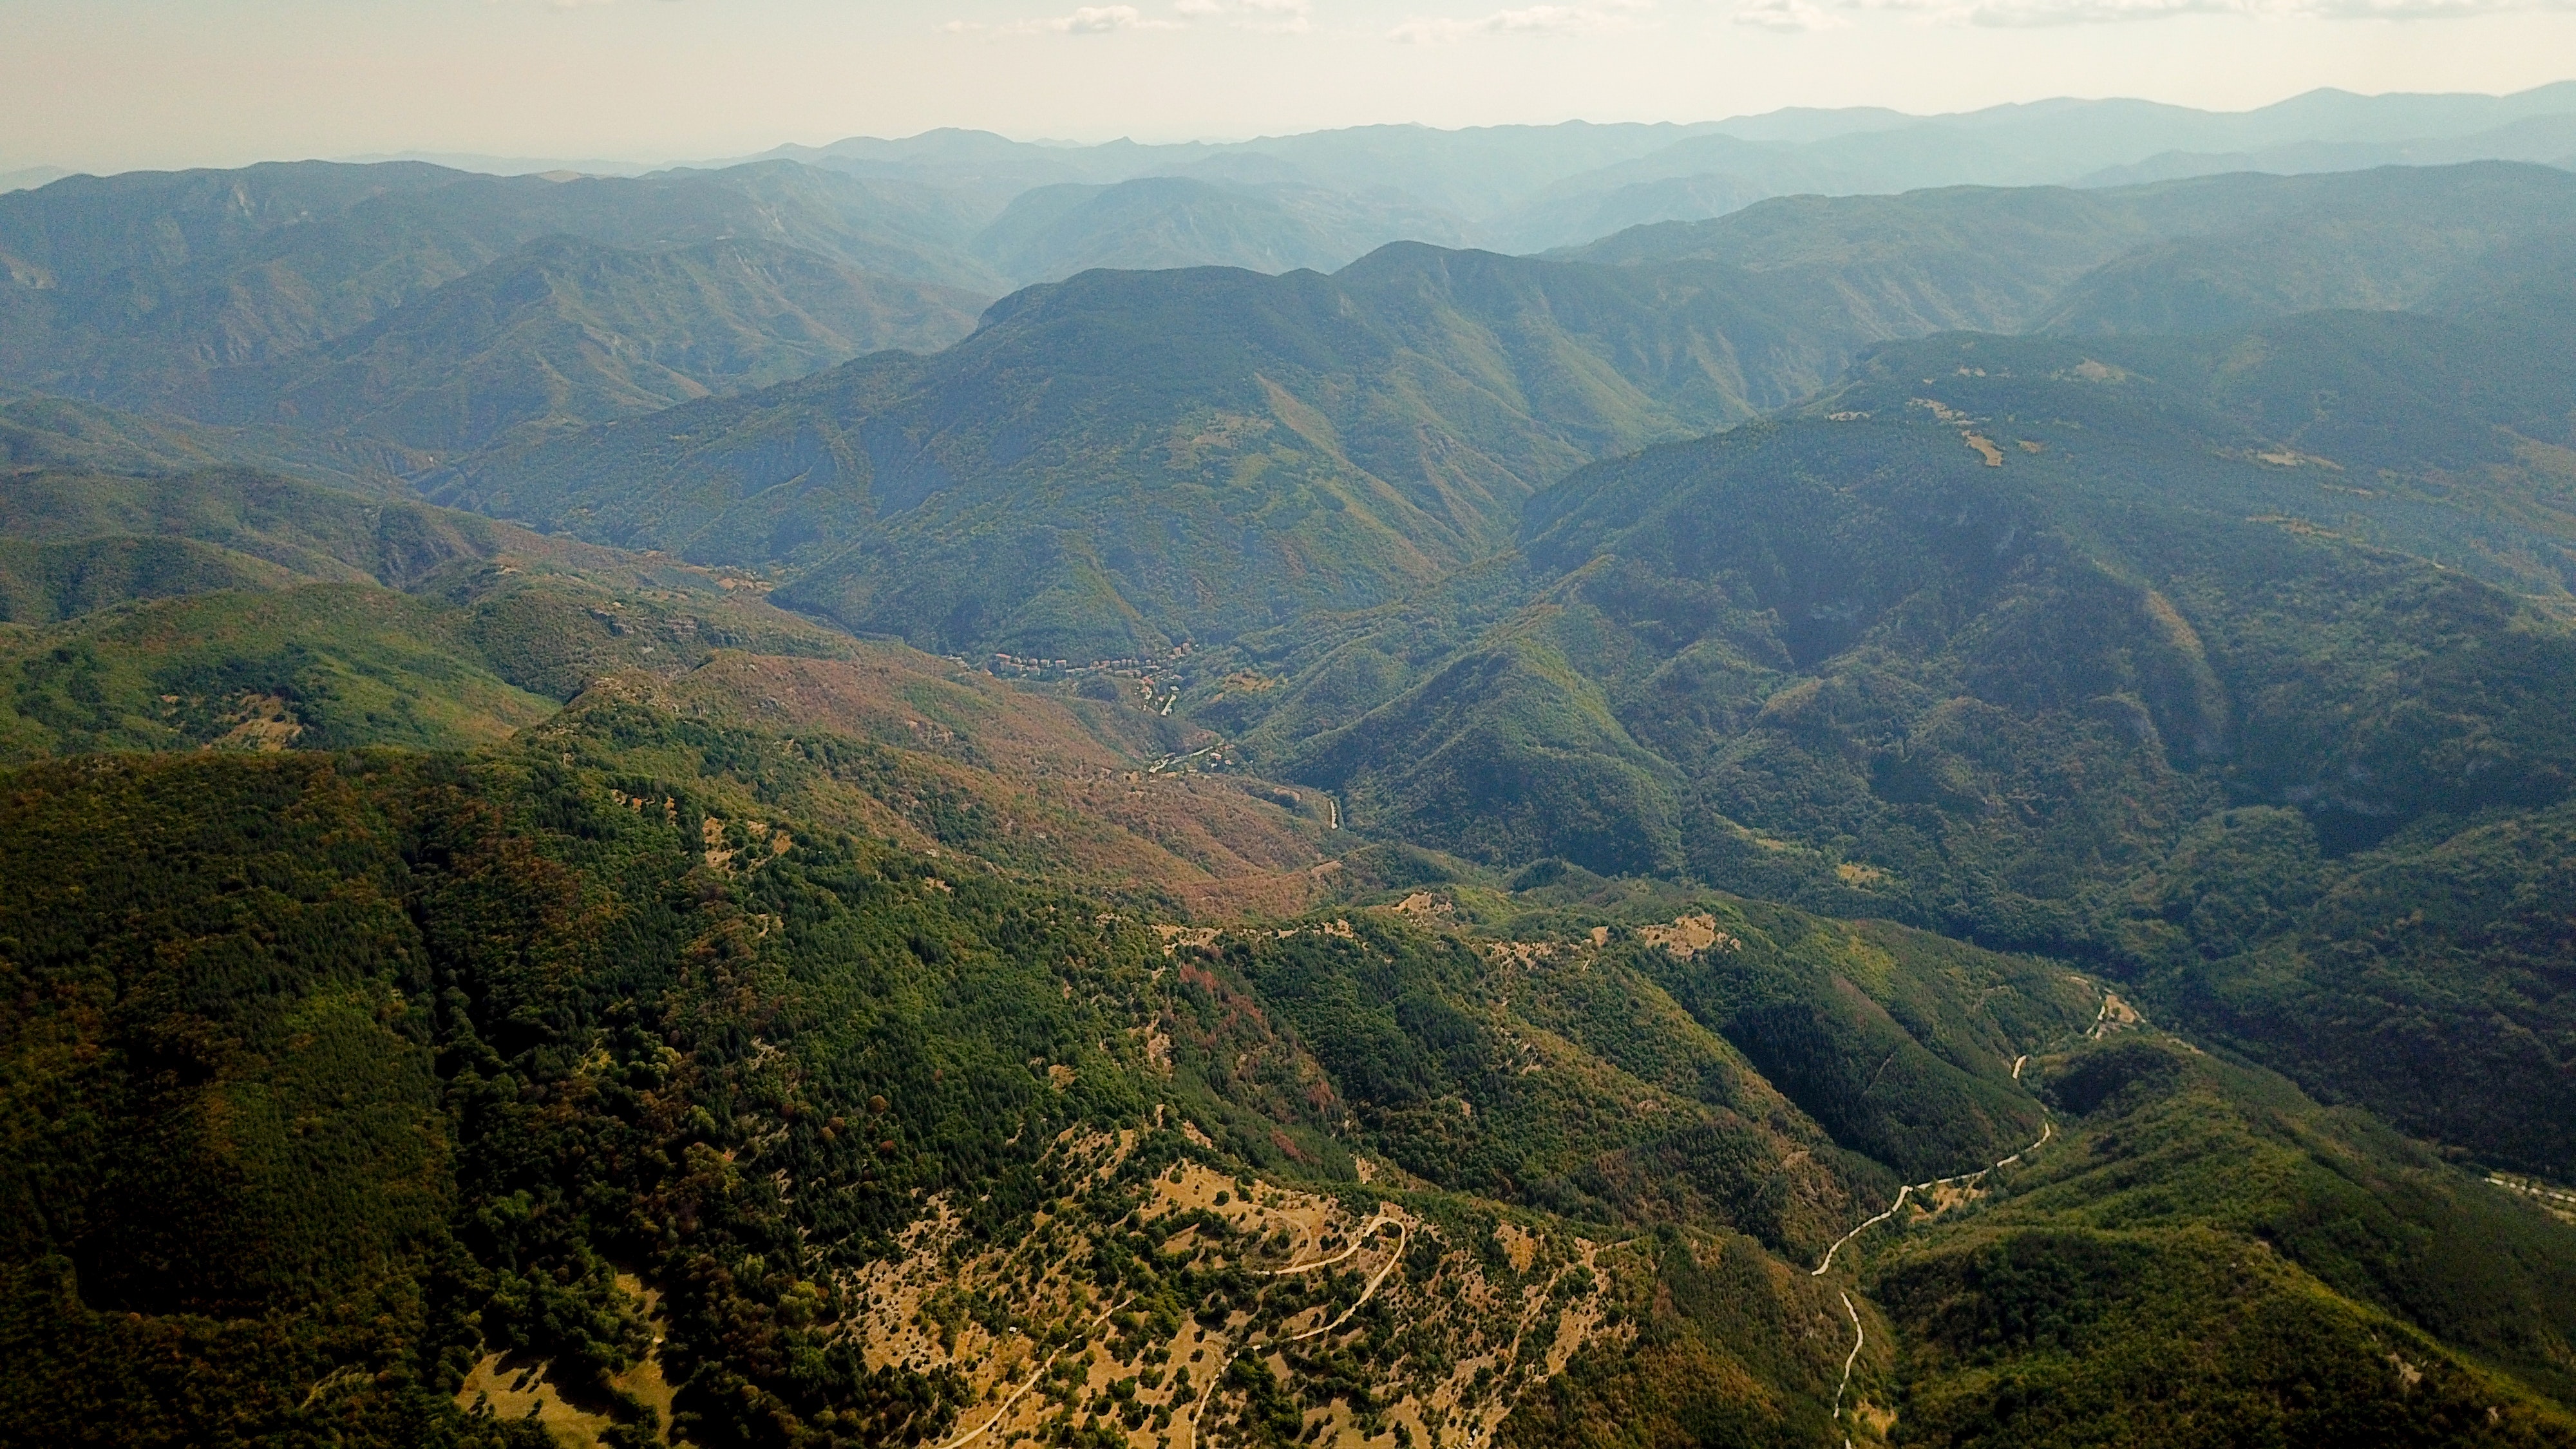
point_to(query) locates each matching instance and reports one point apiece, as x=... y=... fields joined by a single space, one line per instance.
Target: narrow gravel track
x=1858 y=1338
x=999 y=1414
x=2047 y=1129
x=1359 y=1240
x=1208 y=1390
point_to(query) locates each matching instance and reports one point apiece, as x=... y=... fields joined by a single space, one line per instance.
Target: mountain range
x=325 y=296
x=1529 y=188
x=654 y=810
x=302 y=293
x=1075 y=478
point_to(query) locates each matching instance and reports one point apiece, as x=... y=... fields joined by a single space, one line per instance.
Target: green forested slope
x=314 y=297
x=381 y=1093
x=245 y=610
x=2139 y=566
x=2426 y=978
x=379 y=1000
x=294 y=663
x=47 y=581
x=2210 y=1260
x=1983 y=637
x=37 y=431
x=309 y=531
x=453 y=1058
x=1130 y=458
x=563 y=332
x=1076 y=478
x=346 y=1089
x=342 y=663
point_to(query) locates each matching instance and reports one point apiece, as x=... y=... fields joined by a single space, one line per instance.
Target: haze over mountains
x=1039 y=211
x=1912 y=783
x=1333 y=195
x=359 y=299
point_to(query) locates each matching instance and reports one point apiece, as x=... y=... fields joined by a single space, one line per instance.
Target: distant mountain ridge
x=1529 y=188
x=246 y=298
x=564 y=332
x=349 y=297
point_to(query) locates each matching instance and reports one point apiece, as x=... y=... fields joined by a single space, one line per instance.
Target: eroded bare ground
x=2116 y=1015
x=518 y=1385
x=1166 y=1302
x=1071 y=781
x=1258 y=1294
x=512 y=1386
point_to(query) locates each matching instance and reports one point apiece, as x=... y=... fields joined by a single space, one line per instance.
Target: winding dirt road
x=2047 y=1129
x=1035 y=1374
x=1858 y=1338
x=1359 y=1240
x=1404 y=1243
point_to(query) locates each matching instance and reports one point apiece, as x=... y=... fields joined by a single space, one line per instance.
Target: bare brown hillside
x=1026 y=781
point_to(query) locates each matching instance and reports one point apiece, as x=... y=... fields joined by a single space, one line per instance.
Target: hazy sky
x=107 y=84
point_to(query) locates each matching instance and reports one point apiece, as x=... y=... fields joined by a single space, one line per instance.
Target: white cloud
x=2025 y=13
x=2424 y=9
x=1595 y=19
x=1085 y=20
x=1102 y=19
x=1286 y=16
x=1788 y=16
x=1278 y=16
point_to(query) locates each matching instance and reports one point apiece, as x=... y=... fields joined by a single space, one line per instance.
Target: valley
x=762 y=805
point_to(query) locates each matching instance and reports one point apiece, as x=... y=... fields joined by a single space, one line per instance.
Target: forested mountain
x=606 y=1086
x=1051 y=232
x=2006 y=636
x=37 y=431
x=2189 y=256
x=563 y=332
x=1127 y=459
x=231 y=609
x=1077 y=478
x=289 y=292
x=1925 y=819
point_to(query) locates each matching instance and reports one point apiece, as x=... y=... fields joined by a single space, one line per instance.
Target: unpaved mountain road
x=2114 y=1014
x=1004 y=1410
x=2047 y=1129
x=1359 y=1240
